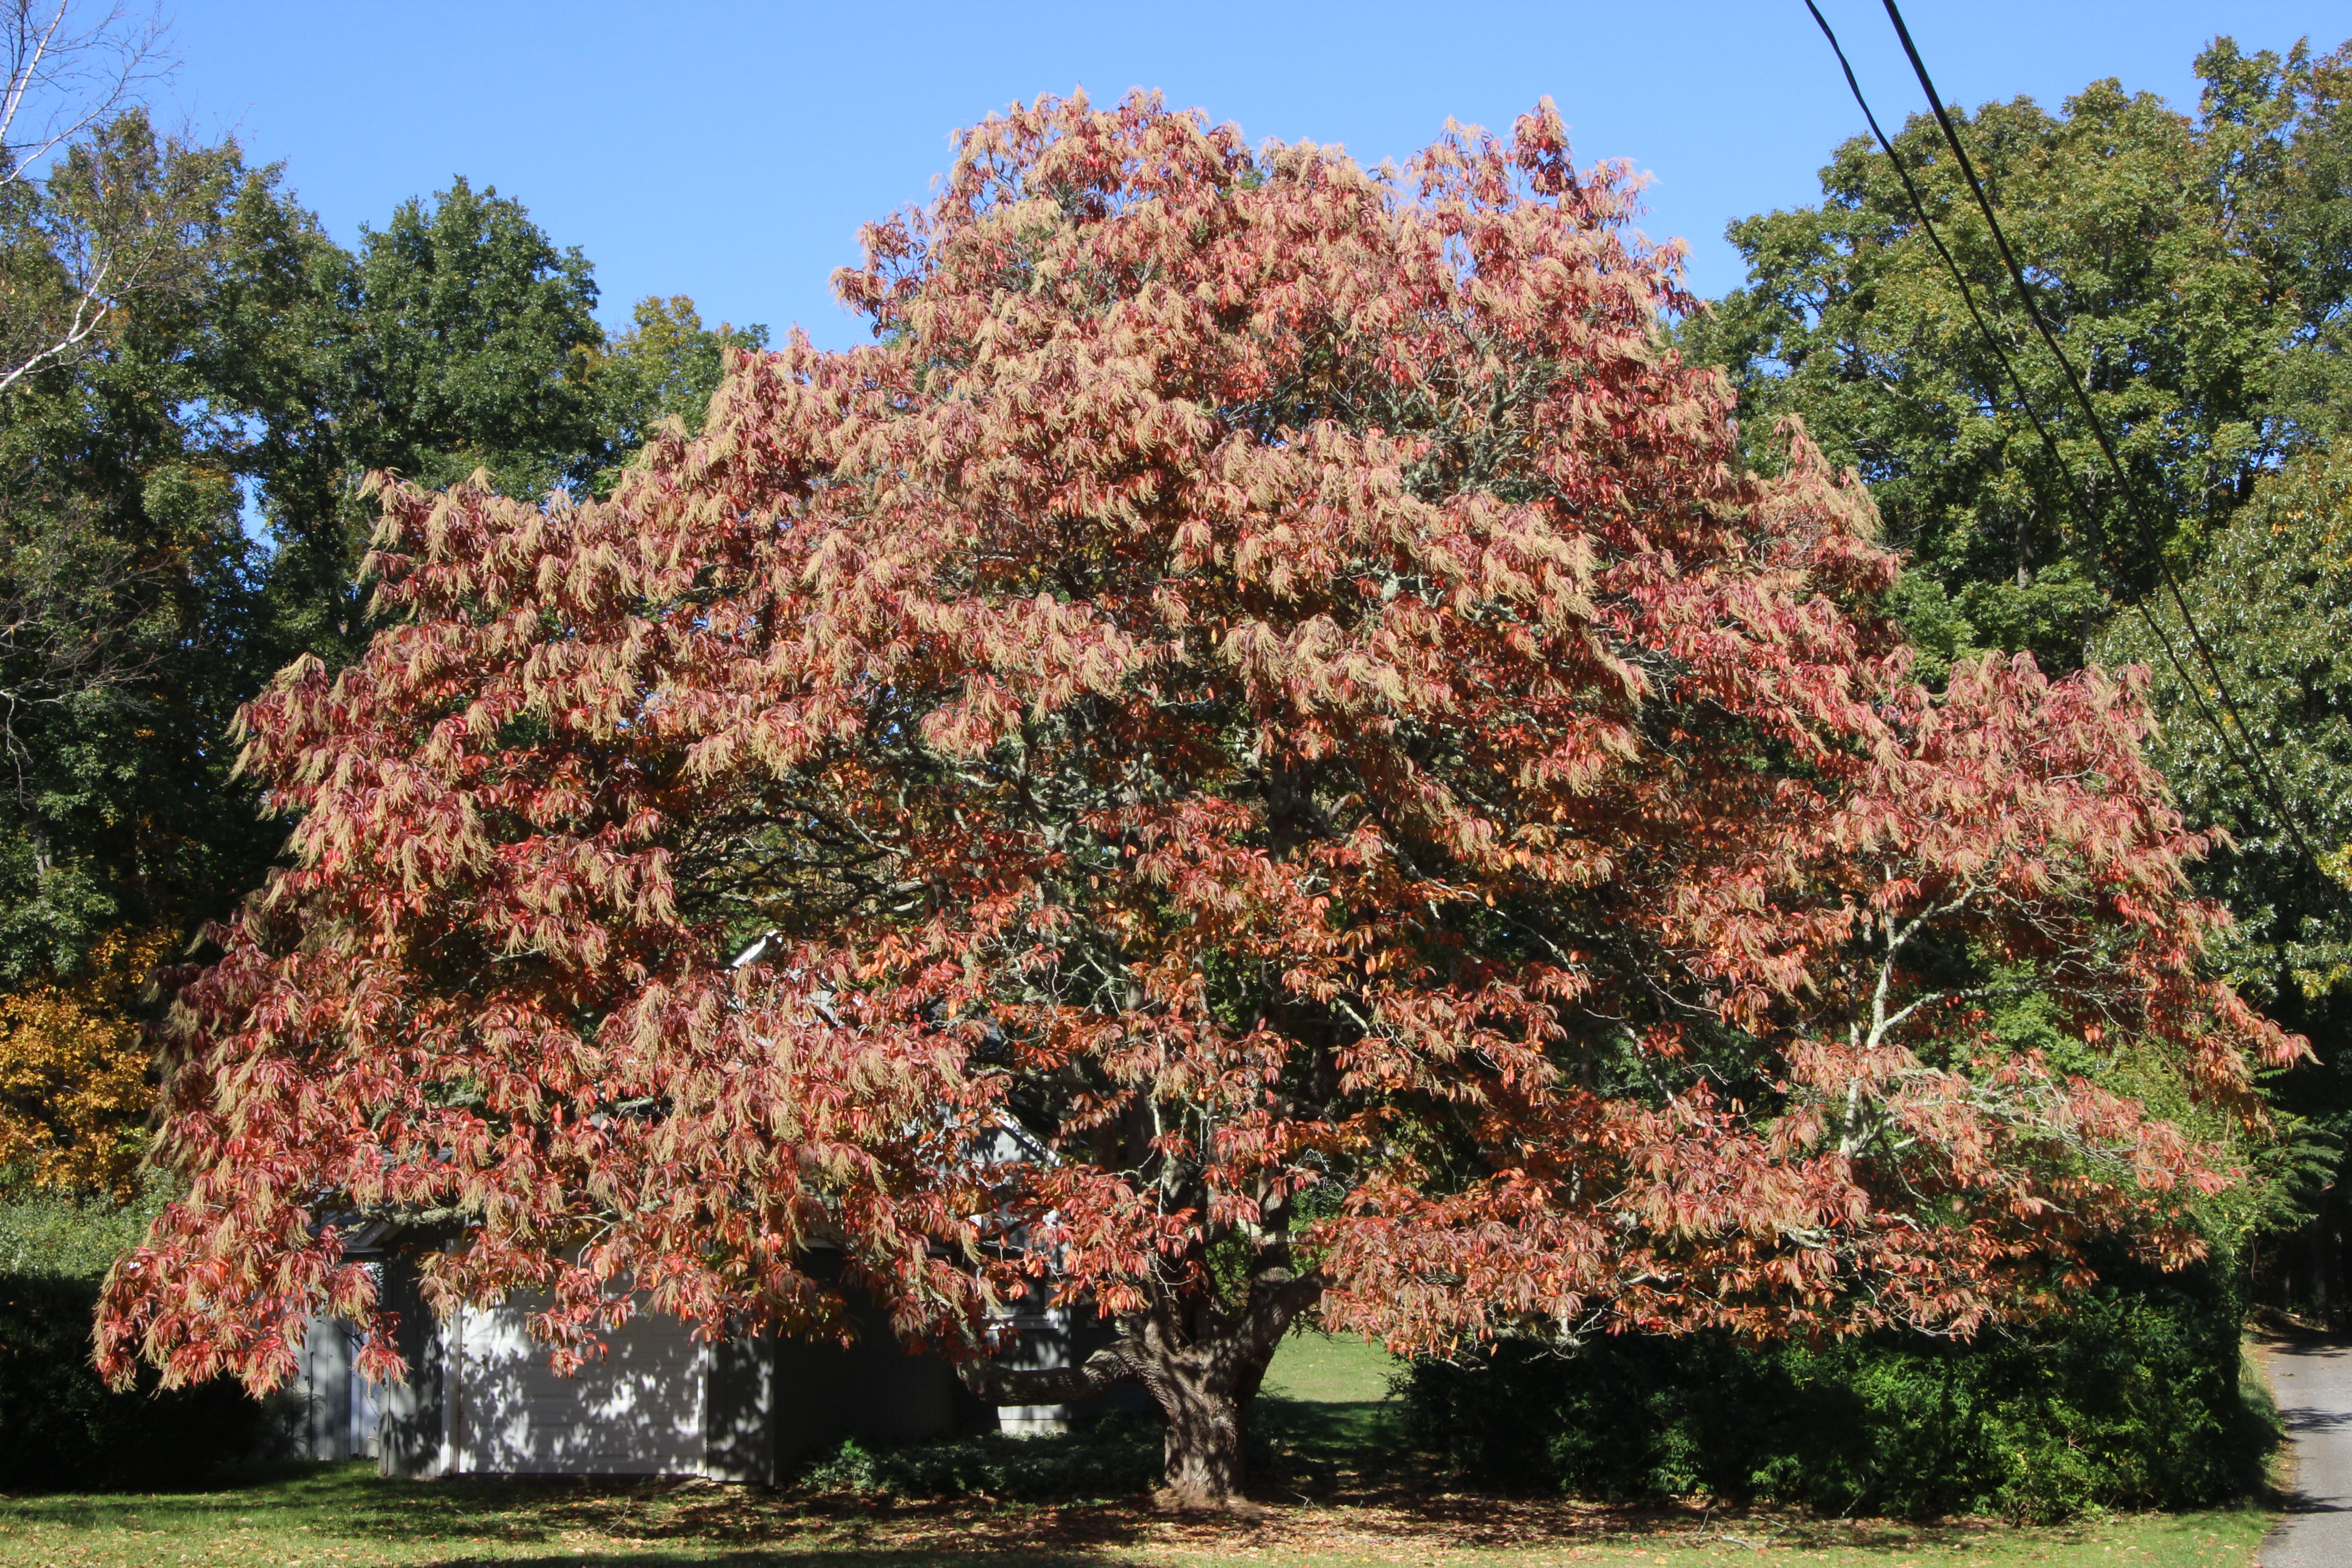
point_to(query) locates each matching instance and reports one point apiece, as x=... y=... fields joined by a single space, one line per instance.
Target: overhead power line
x=2131 y=492
x=2242 y=752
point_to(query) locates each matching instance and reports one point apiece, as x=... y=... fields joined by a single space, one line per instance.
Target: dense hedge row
x=60 y=1427
x=2134 y=1401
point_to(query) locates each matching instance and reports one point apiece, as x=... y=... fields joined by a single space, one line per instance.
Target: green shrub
x=1116 y=1456
x=58 y=1237
x=59 y=1425
x=2133 y=1401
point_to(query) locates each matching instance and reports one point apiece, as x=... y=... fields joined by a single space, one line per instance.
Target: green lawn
x=1324 y=1404
x=1329 y=1369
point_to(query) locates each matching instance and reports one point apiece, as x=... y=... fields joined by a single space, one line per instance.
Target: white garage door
x=637 y=1412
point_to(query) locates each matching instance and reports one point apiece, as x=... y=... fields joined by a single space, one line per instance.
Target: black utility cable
x=2151 y=537
x=2189 y=681
x=2060 y=473
x=1992 y=338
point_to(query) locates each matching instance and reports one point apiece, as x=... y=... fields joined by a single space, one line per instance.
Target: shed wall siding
x=480 y=1397
x=639 y=1411
x=331 y=1412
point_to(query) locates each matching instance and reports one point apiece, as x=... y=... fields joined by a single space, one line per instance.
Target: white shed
x=481 y=1398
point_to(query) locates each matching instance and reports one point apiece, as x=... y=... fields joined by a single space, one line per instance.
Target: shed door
x=637 y=1412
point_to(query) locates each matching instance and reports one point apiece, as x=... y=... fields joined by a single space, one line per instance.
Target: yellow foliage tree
x=74 y=1092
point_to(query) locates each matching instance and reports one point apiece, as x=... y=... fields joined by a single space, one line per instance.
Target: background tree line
x=197 y=377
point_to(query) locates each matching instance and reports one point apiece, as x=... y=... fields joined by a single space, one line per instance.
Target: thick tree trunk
x=1203 y=1374
x=1205 y=1388
x=1203 y=1449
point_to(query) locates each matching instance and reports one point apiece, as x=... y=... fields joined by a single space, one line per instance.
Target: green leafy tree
x=457 y=338
x=666 y=366
x=474 y=336
x=180 y=518
x=2192 y=265
x=124 y=574
x=2280 y=133
x=2273 y=601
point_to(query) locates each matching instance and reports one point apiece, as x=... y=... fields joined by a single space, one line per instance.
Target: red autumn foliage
x=1274 y=680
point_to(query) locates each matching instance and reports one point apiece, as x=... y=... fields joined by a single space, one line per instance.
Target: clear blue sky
x=730 y=151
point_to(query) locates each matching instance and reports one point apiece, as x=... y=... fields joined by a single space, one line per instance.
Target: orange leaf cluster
x=75 y=1094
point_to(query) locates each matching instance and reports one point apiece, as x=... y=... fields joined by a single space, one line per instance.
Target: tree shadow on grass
x=894 y=1559
x=1353 y=1426
x=340 y=1510
x=651 y=1520
x=1303 y=1449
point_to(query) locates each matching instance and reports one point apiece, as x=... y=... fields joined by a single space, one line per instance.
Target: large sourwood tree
x=1270 y=679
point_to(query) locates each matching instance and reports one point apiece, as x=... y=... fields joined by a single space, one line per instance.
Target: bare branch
x=68 y=72
x=85 y=226
x=90 y=310
x=70 y=605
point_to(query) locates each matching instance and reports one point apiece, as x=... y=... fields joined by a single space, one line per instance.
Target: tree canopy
x=2273 y=603
x=1283 y=760
x=126 y=638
